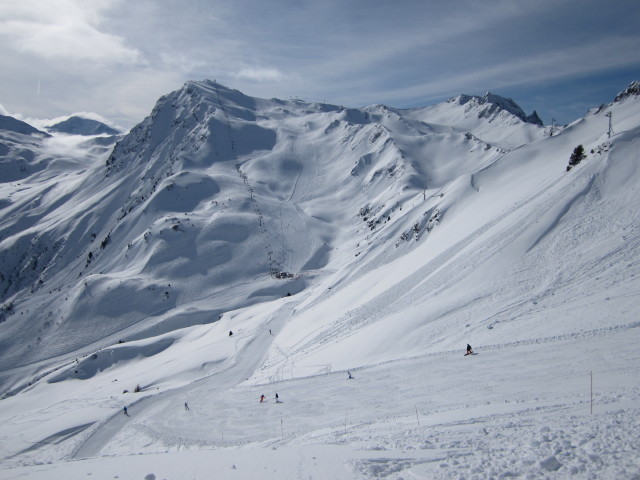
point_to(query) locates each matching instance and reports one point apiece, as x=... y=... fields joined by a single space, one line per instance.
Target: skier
x=277 y=399
x=186 y=406
x=469 y=350
x=125 y=411
x=262 y=397
x=230 y=333
x=349 y=377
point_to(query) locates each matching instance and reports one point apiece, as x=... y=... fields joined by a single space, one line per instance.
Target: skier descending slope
x=469 y=350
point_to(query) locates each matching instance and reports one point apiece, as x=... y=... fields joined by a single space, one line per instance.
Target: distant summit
x=491 y=105
x=18 y=126
x=494 y=119
x=82 y=126
x=632 y=90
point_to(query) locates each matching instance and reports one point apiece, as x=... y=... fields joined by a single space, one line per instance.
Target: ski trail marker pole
x=591 y=375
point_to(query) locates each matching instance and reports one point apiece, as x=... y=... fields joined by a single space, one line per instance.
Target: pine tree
x=576 y=157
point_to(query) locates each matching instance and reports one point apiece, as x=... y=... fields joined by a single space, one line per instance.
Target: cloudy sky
x=117 y=57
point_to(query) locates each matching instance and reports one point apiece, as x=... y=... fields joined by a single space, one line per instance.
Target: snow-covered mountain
x=214 y=177
x=327 y=239
x=493 y=118
x=10 y=124
x=76 y=125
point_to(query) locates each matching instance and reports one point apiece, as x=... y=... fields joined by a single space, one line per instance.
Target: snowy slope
x=219 y=177
x=376 y=241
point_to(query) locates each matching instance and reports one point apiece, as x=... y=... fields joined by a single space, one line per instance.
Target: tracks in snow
x=248 y=357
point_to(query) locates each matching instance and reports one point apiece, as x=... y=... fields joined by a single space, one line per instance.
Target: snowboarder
x=125 y=411
x=262 y=397
x=230 y=333
x=469 y=350
x=277 y=398
x=186 y=406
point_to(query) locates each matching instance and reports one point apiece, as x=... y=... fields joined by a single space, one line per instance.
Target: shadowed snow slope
x=229 y=247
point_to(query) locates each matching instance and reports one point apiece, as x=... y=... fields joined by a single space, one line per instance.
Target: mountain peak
x=535 y=119
x=503 y=102
x=633 y=90
x=215 y=90
x=18 y=126
x=509 y=105
x=490 y=105
x=77 y=125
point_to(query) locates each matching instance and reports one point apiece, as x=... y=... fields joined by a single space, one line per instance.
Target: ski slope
x=535 y=266
x=523 y=408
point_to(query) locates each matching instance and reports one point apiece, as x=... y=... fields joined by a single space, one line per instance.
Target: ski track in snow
x=246 y=361
x=532 y=431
